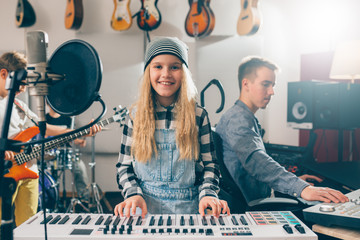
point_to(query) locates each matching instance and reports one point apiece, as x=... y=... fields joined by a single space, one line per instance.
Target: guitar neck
x=36 y=151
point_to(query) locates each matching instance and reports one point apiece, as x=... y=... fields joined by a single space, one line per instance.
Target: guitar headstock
x=120 y=114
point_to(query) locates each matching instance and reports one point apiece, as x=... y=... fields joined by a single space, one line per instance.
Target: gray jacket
x=253 y=170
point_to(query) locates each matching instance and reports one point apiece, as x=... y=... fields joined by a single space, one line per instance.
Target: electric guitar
x=25 y=14
x=74 y=14
x=198 y=19
x=149 y=16
x=121 y=18
x=19 y=170
x=249 y=19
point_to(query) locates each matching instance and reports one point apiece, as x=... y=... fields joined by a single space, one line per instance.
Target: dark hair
x=12 y=61
x=249 y=66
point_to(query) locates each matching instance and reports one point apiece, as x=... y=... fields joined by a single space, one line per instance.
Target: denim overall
x=167 y=182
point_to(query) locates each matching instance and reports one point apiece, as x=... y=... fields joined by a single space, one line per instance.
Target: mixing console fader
x=253 y=225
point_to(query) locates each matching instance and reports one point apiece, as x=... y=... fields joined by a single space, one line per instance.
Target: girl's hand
x=215 y=204
x=131 y=202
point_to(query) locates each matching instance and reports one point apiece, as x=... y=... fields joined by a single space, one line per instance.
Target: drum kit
x=58 y=161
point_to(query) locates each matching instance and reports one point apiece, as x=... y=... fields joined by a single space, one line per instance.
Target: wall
x=289 y=28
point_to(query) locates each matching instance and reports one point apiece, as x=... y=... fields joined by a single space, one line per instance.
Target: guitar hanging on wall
x=121 y=19
x=249 y=19
x=200 y=20
x=149 y=16
x=74 y=14
x=25 y=14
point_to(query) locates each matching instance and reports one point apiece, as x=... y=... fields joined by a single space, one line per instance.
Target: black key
x=108 y=220
x=86 y=220
x=169 y=230
x=55 y=220
x=243 y=220
x=161 y=230
x=152 y=221
x=182 y=221
x=177 y=230
x=161 y=221
x=145 y=230
x=168 y=222
x=139 y=221
x=193 y=230
x=191 y=221
x=221 y=221
x=117 y=220
x=201 y=230
x=64 y=220
x=153 y=230
x=212 y=221
x=233 y=219
x=204 y=222
x=185 y=230
x=99 y=221
x=48 y=218
x=77 y=220
x=130 y=221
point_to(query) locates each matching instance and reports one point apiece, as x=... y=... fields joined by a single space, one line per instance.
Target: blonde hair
x=144 y=145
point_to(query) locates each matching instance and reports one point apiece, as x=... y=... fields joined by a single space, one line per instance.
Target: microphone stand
x=8 y=185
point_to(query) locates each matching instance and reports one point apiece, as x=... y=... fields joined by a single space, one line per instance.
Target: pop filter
x=79 y=62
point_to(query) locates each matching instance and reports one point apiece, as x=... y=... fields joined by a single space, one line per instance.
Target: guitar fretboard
x=36 y=150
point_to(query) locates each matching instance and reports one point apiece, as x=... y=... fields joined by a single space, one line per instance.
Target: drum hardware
x=75 y=201
x=94 y=194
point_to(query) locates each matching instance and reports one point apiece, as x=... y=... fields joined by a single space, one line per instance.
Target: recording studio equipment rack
x=341 y=214
x=253 y=225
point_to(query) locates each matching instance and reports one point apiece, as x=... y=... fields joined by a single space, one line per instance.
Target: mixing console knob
x=327 y=208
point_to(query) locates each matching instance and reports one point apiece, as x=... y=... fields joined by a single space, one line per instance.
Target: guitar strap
x=26 y=114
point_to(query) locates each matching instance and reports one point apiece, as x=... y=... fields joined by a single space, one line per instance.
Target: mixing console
x=341 y=214
x=254 y=225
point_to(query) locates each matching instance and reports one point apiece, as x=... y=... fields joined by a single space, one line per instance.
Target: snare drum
x=50 y=190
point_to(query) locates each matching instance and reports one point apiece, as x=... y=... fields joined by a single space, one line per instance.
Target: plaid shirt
x=206 y=167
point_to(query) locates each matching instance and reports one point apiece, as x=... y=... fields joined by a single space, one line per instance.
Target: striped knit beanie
x=166 y=45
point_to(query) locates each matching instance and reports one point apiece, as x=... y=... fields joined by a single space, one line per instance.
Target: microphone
x=39 y=76
x=36 y=49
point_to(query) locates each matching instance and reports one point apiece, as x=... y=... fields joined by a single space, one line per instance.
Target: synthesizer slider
x=254 y=225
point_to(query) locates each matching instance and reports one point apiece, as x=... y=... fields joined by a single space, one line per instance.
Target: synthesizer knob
x=327 y=208
x=288 y=229
x=300 y=228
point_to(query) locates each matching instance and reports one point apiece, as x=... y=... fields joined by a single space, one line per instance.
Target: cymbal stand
x=74 y=201
x=95 y=195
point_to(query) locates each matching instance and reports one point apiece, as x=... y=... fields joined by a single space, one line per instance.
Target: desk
x=338 y=232
x=345 y=173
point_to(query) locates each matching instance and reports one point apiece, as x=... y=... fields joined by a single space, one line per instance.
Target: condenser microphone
x=36 y=49
x=39 y=76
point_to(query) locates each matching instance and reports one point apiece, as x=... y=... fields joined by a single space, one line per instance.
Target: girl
x=167 y=162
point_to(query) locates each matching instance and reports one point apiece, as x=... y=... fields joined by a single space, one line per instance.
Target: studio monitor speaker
x=337 y=106
x=323 y=105
x=300 y=104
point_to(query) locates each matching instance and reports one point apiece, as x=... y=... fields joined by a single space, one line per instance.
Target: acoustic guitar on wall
x=121 y=19
x=200 y=19
x=149 y=16
x=249 y=19
x=74 y=14
x=25 y=14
